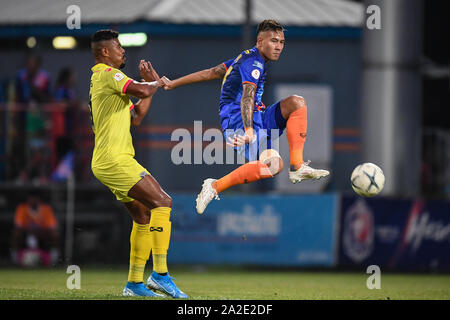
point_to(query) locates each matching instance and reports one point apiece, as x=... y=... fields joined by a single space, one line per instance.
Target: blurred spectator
x=32 y=82
x=64 y=117
x=65 y=83
x=32 y=91
x=36 y=168
x=35 y=234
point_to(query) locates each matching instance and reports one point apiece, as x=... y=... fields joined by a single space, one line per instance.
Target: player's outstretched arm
x=216 y=72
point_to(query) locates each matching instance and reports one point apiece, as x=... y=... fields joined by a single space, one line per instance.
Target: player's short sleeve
x=117 y=80
x=251 y=70
x=228 y=63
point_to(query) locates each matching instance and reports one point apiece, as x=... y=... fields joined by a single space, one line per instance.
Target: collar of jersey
x=255 y=49
x=99 y=66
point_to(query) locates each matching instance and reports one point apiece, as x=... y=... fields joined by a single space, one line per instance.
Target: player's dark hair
x=269 y=25
x=102 y=35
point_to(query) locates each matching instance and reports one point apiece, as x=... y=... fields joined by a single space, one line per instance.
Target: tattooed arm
x=247 y=106
x=216 y=72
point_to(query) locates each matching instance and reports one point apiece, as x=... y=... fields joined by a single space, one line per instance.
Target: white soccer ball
x=367 y=179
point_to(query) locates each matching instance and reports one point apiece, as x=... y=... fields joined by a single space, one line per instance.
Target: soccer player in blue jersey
x=242 y=111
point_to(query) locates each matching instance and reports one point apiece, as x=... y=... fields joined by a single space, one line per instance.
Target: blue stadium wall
x=325 y=231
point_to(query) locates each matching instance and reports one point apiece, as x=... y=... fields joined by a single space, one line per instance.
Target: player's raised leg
x=268 y=165
x=294 y=109
x=149 y=192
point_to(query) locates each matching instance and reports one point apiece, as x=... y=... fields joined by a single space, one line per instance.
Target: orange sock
x=296 y=128
x=249 y=172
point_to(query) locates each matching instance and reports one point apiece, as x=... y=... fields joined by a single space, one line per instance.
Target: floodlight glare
x=64 y=42
x=132 y=39
x=31 y=42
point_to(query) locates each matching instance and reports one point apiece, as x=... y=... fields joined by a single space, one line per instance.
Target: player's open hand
x=148 y=73
x=239 y=140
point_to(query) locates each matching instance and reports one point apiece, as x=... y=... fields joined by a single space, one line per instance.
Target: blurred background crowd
x=42 y=120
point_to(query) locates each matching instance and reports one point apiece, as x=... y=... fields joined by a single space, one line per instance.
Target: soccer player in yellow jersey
x=113 y=163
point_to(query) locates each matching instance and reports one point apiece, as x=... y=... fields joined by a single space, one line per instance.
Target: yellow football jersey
x=110 y=115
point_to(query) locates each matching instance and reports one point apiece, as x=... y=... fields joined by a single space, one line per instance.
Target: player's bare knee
x=297 y=102
x=292 y=104
x=169 y=202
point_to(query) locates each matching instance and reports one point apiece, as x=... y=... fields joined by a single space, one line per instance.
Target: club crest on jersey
x=256 y=73
x=118 y=76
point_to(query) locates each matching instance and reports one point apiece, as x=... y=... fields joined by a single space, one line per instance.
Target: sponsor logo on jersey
x=256 y=74
x=118 y=76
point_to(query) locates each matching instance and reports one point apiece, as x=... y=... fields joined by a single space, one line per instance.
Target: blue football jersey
x=248 y=67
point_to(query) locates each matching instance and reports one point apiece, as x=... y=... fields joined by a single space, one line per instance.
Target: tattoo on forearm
x=247 y=105
x=220 y=70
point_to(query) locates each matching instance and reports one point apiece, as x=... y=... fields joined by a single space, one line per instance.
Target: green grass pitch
x=222 y=284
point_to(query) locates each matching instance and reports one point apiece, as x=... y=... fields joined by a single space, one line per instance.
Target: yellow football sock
x=160 y=228
x=140 y=243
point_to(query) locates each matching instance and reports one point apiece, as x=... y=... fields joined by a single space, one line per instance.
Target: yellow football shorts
x=120 y=176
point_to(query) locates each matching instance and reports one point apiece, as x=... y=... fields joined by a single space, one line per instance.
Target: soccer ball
x=367 y=179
